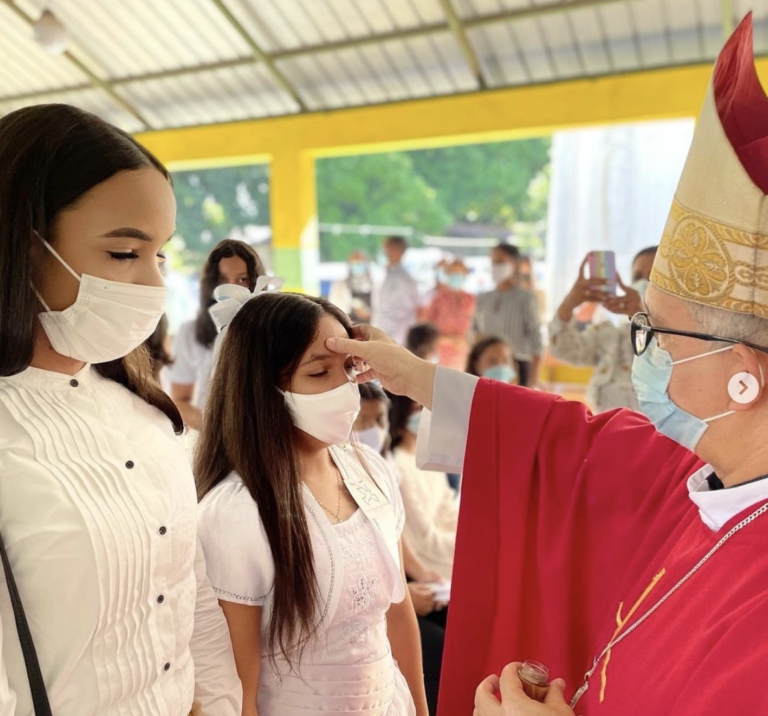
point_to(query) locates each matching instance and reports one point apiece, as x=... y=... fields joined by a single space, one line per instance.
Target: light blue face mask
x=456 y=281
x=651 y=373
x=503 y=373
x=414 y=422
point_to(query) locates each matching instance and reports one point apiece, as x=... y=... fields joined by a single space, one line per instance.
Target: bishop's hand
x=513 y=701
x=380 y=358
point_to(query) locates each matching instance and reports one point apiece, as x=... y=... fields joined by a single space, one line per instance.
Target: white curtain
x=611 y=188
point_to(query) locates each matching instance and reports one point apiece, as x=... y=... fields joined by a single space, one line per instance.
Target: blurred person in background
x=526 y=278
x=441 y=281
x=231 y=261
x=603 y=345
x=353 y=294
x=491 y=357
x=431 y=520
x=431 y=507
x=451 y=312
x=371 y=427
x=512 y=312
x=422 y=341
x=396 y=302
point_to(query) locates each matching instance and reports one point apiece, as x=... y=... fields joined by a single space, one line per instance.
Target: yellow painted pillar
x=293 y=208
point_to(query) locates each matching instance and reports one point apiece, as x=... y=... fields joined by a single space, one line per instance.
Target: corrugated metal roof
x=91 y=100
x=172 y=63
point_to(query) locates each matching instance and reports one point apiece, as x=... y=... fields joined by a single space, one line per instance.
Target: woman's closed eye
x=131 y=255
x=349 y=369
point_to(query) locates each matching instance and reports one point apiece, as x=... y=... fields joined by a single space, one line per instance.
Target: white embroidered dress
x=349 y=666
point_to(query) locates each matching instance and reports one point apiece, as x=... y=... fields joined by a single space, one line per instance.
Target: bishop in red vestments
x=627 y=552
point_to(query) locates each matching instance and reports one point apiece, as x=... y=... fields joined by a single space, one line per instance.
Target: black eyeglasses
x=642 y=332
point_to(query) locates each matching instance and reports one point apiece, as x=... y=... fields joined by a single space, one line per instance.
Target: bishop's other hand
x=504 y=696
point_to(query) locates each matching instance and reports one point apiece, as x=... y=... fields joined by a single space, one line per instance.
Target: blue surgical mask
x=414 y=422
x=456 y=281
x=503 y=373
x=442 y=276
x=651 y=373
x=358 y=269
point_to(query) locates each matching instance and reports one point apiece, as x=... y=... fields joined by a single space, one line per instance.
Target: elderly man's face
x=701 y=386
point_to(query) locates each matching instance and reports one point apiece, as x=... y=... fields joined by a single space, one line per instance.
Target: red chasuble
x=566 y=519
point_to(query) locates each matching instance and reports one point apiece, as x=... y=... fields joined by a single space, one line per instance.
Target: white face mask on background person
x=641 y=286
x=502 y=272
x=108 y=320
x=328 y=416
x=374 y=437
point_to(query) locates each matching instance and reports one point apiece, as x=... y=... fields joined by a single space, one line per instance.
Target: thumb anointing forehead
x=361 y=349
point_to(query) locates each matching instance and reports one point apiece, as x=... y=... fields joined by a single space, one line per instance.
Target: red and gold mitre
x=714 y=249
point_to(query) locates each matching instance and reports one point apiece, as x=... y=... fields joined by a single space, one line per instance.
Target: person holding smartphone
x=602 y=345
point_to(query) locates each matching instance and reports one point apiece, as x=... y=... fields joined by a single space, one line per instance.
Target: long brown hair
x=50 y=156
x=205 y=329
x=249 y=430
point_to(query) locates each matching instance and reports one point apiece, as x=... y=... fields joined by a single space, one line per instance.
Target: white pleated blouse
x=98 y=513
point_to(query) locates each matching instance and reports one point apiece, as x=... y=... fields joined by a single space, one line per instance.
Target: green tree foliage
x=538 y=195
x=486 y=183
x=504 y=183
x=211 y=203
x=430 y=190
x=377 y=189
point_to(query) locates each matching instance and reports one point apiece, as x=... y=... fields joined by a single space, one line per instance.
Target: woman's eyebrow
x=127 y=233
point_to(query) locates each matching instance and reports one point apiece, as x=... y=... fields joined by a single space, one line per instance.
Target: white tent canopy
x=611 y=189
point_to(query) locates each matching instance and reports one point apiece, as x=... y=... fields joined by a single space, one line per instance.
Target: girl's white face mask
x=328 y=416
x=108 y=320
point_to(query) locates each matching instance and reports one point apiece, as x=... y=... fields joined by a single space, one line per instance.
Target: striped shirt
x=513 y=315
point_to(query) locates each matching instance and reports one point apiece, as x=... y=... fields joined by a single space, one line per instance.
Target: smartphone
x=602 y=264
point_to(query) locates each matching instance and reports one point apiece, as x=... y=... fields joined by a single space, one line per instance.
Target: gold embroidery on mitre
x=702 y=260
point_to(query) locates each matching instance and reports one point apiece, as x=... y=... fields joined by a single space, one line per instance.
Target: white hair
x=729 y=324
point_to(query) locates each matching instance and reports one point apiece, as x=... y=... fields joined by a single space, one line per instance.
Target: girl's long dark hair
x=50 y=156
x=205 y=330
x=248 y=429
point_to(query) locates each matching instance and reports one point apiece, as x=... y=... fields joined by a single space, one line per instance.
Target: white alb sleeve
x=442 y=439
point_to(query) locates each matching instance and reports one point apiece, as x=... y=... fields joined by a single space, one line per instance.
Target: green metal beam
x=261 y=56
x=459 y=32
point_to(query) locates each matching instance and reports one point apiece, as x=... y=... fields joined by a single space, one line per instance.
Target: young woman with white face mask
x=97 y=501
x=301 y=529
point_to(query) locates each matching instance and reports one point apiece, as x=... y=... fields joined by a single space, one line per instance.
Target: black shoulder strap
x=34 y=674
